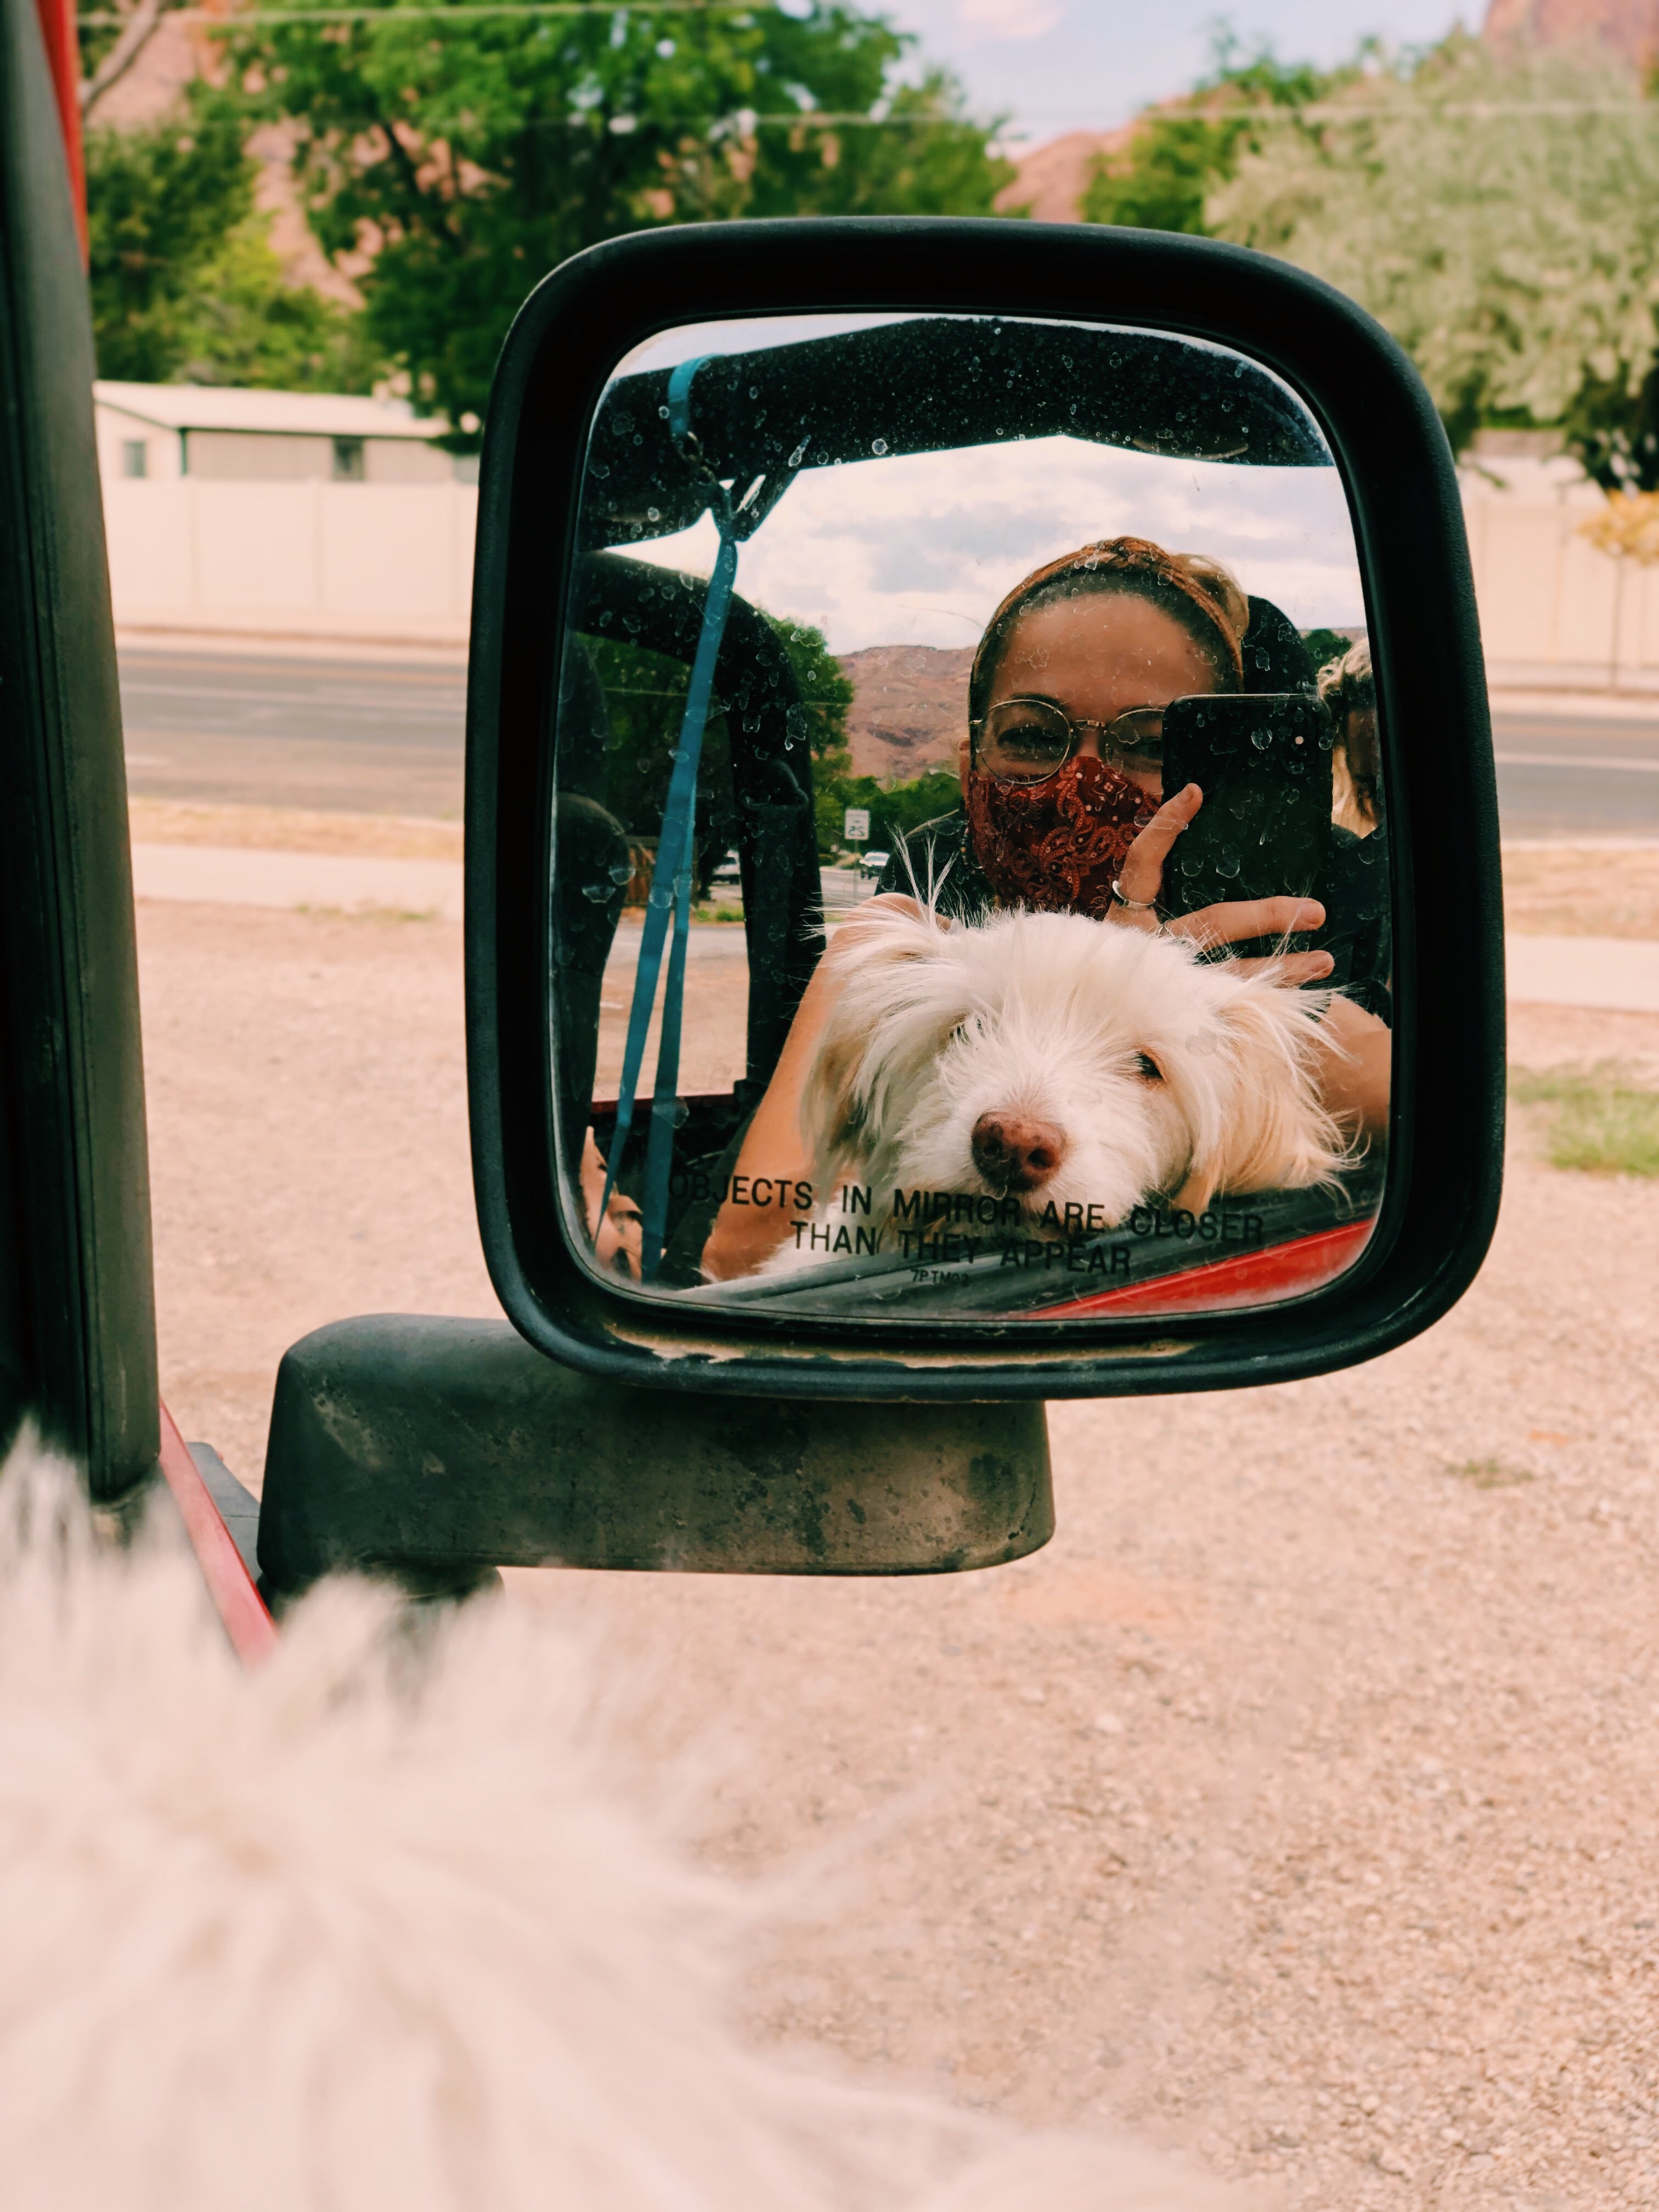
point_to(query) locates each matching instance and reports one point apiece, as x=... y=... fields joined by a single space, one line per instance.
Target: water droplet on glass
x=1227 y=862
x=679 y=1113
x=1261 y=738
x=1191 y=864
x=878 y=445
x=655 y=514
x=754 y=392
x=659 y=896
x=621 y=873
x=599 y=893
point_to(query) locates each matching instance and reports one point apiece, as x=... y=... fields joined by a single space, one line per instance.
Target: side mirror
x=1072 y=1110
x=970 y=545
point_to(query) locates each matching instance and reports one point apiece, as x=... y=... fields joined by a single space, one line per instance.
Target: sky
x=1059 y=65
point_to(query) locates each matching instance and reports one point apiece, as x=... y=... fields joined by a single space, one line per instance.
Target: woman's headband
x=1139 y=565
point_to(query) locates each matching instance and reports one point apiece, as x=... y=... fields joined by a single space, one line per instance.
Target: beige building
x=283 y=513
x=154 y=432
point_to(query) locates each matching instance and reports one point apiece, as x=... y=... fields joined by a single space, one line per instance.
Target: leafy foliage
x=184 y=283
x=1180 y=153
x=1602 y=1122
x=1626 y=526
x=471 y=154
x=895 y=809
x=1498 y=211
x=644 y=700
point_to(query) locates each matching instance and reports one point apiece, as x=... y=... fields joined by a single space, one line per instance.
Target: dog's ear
x=830 y=1111
x=1274 y=1133
x=871 y=958
x=891 y=927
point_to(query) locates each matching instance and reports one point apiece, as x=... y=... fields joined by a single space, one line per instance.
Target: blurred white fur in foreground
x=362 y=1931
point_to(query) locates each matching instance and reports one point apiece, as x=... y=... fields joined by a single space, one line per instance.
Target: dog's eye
x=1147 y=1068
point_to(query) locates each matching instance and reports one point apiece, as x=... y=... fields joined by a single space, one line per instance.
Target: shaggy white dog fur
x=371 y=1929
x=1069 y=1070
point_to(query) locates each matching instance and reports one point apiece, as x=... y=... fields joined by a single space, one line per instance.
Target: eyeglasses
x=1029 y=740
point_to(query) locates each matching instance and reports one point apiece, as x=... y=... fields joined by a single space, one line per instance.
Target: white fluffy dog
x=1060 y=1071
x=371 y=1927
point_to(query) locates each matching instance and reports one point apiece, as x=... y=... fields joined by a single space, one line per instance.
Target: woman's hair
x=1347 y=687
x=1196 y=591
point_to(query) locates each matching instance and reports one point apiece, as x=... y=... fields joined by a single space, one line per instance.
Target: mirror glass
x=970 y=897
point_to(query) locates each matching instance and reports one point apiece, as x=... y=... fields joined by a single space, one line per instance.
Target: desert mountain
x=910 y=707
x=1629 y=27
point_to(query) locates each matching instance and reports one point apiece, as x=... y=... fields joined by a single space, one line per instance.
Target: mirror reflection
x=970 y=894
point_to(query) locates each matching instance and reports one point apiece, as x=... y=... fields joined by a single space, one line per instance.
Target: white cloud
x=919 y=549
x=1009 y=19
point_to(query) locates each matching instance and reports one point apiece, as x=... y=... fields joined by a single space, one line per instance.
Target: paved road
x=1561 y=773
x=385 y=737
x=344 y=736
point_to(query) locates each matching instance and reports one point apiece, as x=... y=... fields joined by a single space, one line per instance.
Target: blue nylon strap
x=666 y=1108
x=673 y=860
x=679 y=399
x=670 y=888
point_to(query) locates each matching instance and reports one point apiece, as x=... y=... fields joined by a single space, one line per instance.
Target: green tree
x=470 y=154
x=184 y=283
x=644 y=701
x=1179 y=154
x=1499 y=213
x=895 y=809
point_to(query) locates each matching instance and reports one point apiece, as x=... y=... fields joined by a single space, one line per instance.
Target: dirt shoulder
x=293 y=829
x=1296 y=1805
x=1582 y=891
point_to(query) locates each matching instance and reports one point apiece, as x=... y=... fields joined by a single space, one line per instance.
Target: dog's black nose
x=1017 y=1152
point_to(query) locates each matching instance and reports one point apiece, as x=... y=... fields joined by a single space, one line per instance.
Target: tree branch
x=137 y=32
x=411 y=177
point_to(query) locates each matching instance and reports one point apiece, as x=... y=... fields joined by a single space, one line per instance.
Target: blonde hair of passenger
x=1347 y=688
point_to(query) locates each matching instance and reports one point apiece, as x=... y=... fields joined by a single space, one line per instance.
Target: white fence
x=390 y=563
x=1553 y=611
x=393 y=563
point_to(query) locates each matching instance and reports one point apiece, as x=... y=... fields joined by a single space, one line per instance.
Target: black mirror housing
x=1445 y=1155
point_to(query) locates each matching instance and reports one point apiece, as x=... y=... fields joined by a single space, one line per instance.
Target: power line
x=107 y=19
x=1354 y=111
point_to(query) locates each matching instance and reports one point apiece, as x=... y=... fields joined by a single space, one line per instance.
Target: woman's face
x=1095 y=656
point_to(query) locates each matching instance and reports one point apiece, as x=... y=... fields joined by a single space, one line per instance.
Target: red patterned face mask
x=1057 y=845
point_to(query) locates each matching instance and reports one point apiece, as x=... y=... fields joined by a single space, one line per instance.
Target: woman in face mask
x=1063 y=811
x=1063 y=805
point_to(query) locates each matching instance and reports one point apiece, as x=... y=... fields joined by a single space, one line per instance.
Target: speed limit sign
x=857 y=831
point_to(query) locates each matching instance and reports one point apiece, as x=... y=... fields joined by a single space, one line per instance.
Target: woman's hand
x=617 y=1232
x=1141 y=878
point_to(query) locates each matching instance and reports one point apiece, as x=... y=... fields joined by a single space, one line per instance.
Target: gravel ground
x=1296 y=1806
x=1566 y=890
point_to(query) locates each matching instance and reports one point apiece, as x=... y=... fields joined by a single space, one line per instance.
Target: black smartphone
x=1262 y=760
